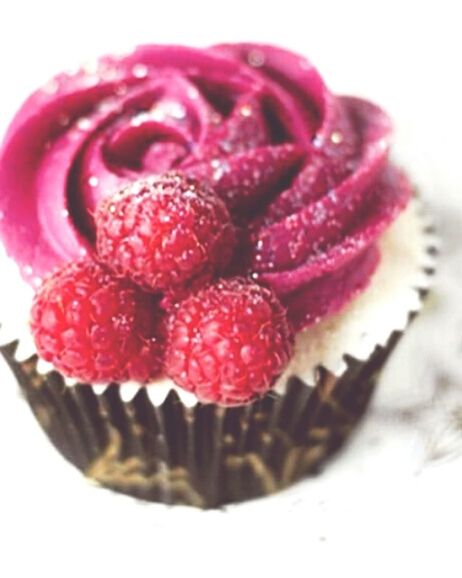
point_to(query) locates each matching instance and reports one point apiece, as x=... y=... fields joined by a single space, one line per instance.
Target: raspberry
x=164 y=232
x=229 y=342
x=95 y=327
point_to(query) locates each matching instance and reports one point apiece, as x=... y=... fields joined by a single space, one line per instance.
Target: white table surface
x=391 y=503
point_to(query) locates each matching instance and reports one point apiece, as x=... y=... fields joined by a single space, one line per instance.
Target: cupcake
x=212 y=259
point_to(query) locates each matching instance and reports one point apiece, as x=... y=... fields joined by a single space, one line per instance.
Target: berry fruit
x=95 y=327
x=164 y=232
x=229 y=342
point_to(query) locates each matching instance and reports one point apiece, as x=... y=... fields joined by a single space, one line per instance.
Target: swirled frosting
x=305 y=173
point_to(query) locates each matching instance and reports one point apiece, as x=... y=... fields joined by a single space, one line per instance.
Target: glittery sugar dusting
x=303 y=172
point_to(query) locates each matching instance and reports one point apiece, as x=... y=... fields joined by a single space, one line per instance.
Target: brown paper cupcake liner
x=205 y=455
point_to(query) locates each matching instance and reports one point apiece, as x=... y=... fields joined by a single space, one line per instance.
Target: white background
x=384 y=507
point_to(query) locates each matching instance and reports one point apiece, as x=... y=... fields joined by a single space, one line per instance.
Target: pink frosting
x=303 y=171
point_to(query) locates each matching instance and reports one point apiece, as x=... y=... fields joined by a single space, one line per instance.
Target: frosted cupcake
x=213 y=258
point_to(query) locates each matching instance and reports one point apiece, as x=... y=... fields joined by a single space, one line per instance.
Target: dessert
x=216 y=258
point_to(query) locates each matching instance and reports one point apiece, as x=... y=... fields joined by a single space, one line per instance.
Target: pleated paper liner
x=204 y=455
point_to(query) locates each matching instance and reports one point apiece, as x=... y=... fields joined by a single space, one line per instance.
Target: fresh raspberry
x=95 y=327
x=229 y=342
x=164 y=232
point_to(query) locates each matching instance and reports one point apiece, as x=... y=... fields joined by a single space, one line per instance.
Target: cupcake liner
x=205 y=455
x=159 y=443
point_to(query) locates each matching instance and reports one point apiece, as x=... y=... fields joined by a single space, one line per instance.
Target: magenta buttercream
x=304 y=172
